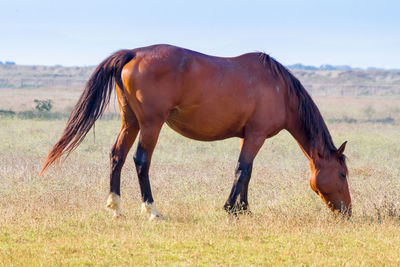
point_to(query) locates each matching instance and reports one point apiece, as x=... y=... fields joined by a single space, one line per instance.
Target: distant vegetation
x=20 y=77
x=350 y=82
x=326 y=80
x=300 y=66
x=43 y=105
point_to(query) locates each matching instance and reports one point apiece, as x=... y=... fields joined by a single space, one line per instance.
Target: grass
x=60 y=219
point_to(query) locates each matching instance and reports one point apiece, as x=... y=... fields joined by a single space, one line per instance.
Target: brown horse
x=206 y=98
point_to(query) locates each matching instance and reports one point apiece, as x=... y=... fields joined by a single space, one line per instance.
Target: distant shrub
x=7 y=112
x=387 y=120
x=43 y=105
x=349 y=120
x=345 y=119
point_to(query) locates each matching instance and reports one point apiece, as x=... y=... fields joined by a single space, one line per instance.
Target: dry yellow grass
x=60 y=218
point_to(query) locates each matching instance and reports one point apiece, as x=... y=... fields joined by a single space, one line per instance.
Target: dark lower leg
x=142 y=162
x=250 y=146
x=243 y=204
x=242 y=177
x=142 y=158
x=115 y=175
x=118 y=155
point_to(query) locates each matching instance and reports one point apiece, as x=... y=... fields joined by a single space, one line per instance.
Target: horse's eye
x=342 y=176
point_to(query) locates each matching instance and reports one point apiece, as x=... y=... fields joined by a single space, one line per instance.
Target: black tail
x=91 y=104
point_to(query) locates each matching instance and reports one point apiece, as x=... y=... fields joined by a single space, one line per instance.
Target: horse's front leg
x=250 y=148
x=147 y=142
x=243 y=206
x=240 y=185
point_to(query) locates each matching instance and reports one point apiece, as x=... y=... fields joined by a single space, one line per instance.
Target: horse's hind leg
x=147 y=142
x=250 y=148
x=119 y=151
x=118 y=154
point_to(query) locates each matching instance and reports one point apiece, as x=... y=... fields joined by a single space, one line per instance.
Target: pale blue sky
x=79 y=32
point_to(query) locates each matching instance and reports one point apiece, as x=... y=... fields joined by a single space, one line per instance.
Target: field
x=60 y=218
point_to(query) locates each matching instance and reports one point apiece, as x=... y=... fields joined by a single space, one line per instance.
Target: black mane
x=311 y=120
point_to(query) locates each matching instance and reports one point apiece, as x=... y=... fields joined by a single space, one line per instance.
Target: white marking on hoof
x=150 y=208
x=114 y=204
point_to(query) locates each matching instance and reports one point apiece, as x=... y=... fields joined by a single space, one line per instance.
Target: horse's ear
x=341 y=149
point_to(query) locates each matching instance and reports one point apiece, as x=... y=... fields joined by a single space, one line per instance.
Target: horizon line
x=295 y=66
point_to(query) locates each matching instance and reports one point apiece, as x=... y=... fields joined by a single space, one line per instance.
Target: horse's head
x=329 y=181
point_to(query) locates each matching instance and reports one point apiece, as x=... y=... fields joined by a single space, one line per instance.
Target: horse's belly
x=205 y=126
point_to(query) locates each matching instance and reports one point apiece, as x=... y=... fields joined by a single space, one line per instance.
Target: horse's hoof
x=113 y=201
x=228 y=208
x=150 y=208
x=237 y=209
x=114 y=204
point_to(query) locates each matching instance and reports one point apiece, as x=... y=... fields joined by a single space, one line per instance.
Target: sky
x=78 y=32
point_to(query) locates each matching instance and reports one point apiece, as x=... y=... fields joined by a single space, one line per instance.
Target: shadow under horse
x=206 y=98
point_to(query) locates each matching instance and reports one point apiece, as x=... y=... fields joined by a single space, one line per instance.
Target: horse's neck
x=312 y=149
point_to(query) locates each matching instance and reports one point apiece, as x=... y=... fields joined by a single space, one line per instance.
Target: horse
x=207 y=98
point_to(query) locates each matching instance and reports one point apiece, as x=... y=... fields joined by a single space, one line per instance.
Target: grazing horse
x=206 y=98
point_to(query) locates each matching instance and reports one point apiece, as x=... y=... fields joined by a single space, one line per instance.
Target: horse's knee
x=141 y=160
x=243 y=170
x=116 y=160
x=242 y=173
